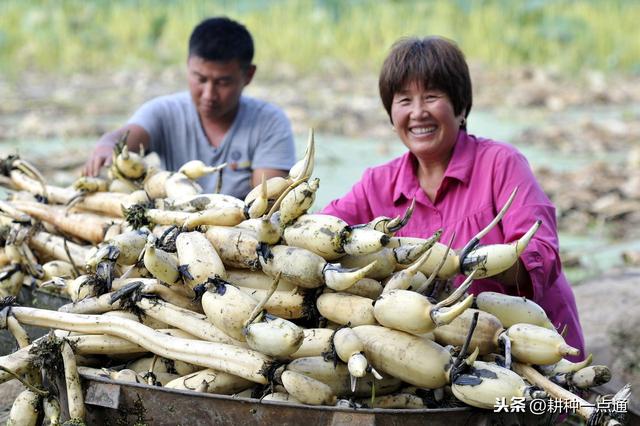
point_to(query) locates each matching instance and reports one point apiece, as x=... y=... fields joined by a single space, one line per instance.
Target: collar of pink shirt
x=459 y=168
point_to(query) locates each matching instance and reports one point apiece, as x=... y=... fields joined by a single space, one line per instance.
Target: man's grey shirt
x=260 y=137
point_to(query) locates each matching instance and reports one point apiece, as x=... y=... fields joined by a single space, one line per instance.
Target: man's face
x=216 y=86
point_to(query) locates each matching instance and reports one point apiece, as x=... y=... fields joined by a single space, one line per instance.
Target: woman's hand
x=517 y=277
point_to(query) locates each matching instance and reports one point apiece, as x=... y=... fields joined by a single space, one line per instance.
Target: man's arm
x=102 y=153
x=256 y=176
x=274 y=153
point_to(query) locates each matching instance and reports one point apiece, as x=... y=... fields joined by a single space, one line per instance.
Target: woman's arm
x=539 y=265
x=517 y=278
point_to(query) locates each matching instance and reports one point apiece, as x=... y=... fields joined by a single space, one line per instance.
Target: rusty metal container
x=113 y=403
x=118 y=403
x=38 y=299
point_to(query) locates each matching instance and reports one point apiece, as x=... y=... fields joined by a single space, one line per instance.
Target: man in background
x=212 y=121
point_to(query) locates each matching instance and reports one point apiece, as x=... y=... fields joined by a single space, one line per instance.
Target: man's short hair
x=221 y=39
x=435 y=62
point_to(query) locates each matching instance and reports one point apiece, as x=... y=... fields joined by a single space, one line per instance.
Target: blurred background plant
x=311 y=35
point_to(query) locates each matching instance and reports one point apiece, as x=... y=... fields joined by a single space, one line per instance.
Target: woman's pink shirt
x=478 y=181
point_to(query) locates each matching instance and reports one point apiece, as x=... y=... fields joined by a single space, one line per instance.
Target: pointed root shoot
x=339 y=279
x=473 y=243
x=260 y=306
x=459 y=292
x=524 y=241
x=441 y=315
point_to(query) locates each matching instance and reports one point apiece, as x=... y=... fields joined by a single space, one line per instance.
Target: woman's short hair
x=435 y=62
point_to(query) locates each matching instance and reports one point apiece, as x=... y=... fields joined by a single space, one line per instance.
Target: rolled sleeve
x=276 y=147
x=150 y=116
x=541 y=257
x=542 y=263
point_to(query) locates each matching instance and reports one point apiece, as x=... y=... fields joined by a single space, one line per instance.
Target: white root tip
x=585 y=363
x=443 y=315
x=459 y=292
x=398 y=222
x=354 y=382
x=263 y=187
x=565 y=350
x=302 y=169
x=522 y=243
x=472 y=358
x=498 y=217
x=311 y=155
x=341 y=281
x=214 y=169
x=415 y=266
x=375 y=373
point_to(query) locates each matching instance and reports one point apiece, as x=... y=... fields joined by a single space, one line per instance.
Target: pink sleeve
x=541 y=257
x=354 y=207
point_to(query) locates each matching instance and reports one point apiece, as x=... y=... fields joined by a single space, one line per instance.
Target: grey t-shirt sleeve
x=173 y=128
x=276 y=148
x=150 y=117
x=260 y=137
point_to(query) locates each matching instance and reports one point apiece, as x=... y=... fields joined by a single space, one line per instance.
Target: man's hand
x=100 y=156
x=103 y=152
x=256 y=177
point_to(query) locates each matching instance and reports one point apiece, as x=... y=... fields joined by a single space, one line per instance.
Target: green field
x=316 y=36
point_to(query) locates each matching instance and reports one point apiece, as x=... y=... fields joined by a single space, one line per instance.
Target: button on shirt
x=478 y=181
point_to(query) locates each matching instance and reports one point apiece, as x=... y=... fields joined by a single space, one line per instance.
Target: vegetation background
x=314 y=35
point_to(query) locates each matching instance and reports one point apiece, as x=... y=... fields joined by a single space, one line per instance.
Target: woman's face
x=425 y=121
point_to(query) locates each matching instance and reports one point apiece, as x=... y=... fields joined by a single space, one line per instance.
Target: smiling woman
x=459 y=181
x=427 y=124
x=427 y=97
